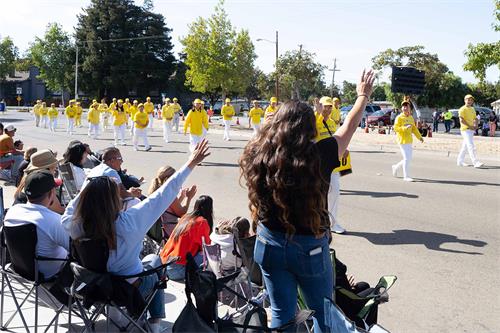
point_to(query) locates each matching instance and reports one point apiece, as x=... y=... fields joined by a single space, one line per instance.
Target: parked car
x=483 y=112
x=380 y=118
x=369 y=109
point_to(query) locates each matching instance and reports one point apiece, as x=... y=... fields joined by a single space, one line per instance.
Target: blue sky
x=353 y=31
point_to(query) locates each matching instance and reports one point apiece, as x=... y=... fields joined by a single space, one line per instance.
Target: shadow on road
x=372 y=152
x=379 y=194
x=454 y=182
x=210 y=164
x=216 y=147
x=431 y=240
x=490 y=167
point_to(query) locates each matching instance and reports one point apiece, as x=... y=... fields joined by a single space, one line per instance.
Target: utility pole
x=333 y=70
x=276 y=68
x=76 y=71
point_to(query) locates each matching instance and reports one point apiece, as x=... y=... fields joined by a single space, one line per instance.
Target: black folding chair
x=94 y=286
x=243 y=248
x=20 y=243
x=69 y=189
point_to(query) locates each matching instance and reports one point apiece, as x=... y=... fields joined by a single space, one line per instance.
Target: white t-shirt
x=79 y=174
x=53 y=239
x=102 y=170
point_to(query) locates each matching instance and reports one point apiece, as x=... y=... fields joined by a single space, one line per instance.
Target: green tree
x=300 y=75
x=349 y=93
x=52 y=54
x=484 y=55
x=484 y=92
x=8 y=56
x=379 y=93
x=220 y=60
x=137 y=60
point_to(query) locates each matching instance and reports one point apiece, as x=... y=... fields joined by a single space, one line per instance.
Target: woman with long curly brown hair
x=287 y=175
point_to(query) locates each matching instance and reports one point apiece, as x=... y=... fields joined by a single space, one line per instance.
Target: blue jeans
x=156 y=308
x=177 y=272
x=287 y=263
x=14 y=170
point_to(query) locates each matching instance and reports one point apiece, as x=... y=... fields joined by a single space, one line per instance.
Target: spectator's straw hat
x=43 y=159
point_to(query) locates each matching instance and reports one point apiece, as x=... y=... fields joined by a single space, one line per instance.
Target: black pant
x=447 y=125
x=435 y=124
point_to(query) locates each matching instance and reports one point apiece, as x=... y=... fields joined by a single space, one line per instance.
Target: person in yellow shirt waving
x=149 y=108
x=93 y=118
x=271 y=109
x=120 y=120
x=404 y=126
x=167 y=114
x=70 y=115
x=44 y=116
x=335 y=115
x=36 y=112
x=468 y=124
x=254 y=117
x=227 y=113
x=177 y=113
x=103 y=111
x=78 y=114
x=141 y=121
x=197 y=122
x=53 y=114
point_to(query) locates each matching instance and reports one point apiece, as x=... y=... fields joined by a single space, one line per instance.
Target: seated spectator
x=111 y=163
x=8 y=153
x=76 y=155
x=96 y=214
x=129 y=181
x=24 y=164
x=41 y=160
x=53 y=240
x=178 y=208
x=19 y=145
x=223 y=235
x=187 y=237
x=92 y=160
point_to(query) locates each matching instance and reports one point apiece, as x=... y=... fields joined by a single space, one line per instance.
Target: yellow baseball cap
x=148 y=98
x=274 y=100
x=120 y=101
x=202 y=102
x=326 y=101
x=197 y=101
x=405 y=102
x=114 y=99
x=227 y=100
x=136 y=101
x=140 y=105
x=167 y=99
x=127 y=100
x=335 y=99
x=175 y=99
x=468 y=96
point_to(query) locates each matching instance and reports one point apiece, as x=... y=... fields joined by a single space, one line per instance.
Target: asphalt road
x=439 y=235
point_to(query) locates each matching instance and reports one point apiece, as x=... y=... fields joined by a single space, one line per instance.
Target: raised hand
x=365 y=85
x=199 y=154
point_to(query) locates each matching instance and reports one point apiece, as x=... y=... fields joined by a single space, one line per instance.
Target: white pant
x=256 y=128
x=151 y=118
x=167 y=129
x=193 y=141
x=120 y=134
x=105 y=120
x=37 y=120
x=93 y=130
x=71 y=125
x=45 y=121
x=333 y=197
x=227 y=126
x=407 y=152
x=177 y=119
x=467 y=145
x=143 y=134
x=53 y=124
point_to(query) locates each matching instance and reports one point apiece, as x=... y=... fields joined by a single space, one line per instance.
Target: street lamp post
x=276 y=61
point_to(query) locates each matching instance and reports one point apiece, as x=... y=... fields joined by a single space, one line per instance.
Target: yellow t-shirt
x=167 y=112
x=79 y=111
x=403 y=133
x=93 y=116
x=335 y=116
x=133 y=111
x=469 y=114
x=112 y=107
x=36 y=109
x=70 y=112
x=227 y=112
x=126 y=107
x=43 y=111
x=149 y=107
x=176 y=107
x=196 y=120
x=141 y=120
x=53 y=113
x=324 y=131
x=103 y=107
x=255 y=115
x=120 y=118
x=270 y=110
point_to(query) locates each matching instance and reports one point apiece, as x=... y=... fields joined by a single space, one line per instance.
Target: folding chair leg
x=2 y=301
x=36 y=309
x=18 y=308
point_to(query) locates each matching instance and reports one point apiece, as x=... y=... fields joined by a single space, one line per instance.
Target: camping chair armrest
x=152 y=270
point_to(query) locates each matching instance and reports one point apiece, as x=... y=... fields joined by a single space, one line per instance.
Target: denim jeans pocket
x=268 y=256
x=312 y=261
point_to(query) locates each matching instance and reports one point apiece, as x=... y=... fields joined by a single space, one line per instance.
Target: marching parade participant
x=227 y=113
x=254 y=117
x=78 y=114
x=126 y=107
x=70 y=115
x=52 y=114
x=167 y=114
x=197 y=121
x=335 y=115
x=44 y=115
x=177 y=113
x=120 y=119
x=404 y=126
x=149 y=108
x=93 y=119
x=141 y=121
x=133 y=110
x=468 y=123
x=103 y=111
x=36 y=112
x=271 y=109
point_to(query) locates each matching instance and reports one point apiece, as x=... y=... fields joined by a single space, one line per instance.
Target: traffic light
x=407 y=80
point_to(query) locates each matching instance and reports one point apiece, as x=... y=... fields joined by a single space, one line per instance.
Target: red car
x=380 y=118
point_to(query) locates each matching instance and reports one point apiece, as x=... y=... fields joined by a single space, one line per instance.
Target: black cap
x=38 y=183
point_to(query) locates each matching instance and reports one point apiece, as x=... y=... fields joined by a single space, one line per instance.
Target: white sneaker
x=478 y=164
x=463 y=164
x=337 y=228
x=408 y=179
x=395 y=170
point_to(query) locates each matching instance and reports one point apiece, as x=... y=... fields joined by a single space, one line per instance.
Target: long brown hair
x=98 y=210
x=163 y=174
x=204 y=207
x=281 y=168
